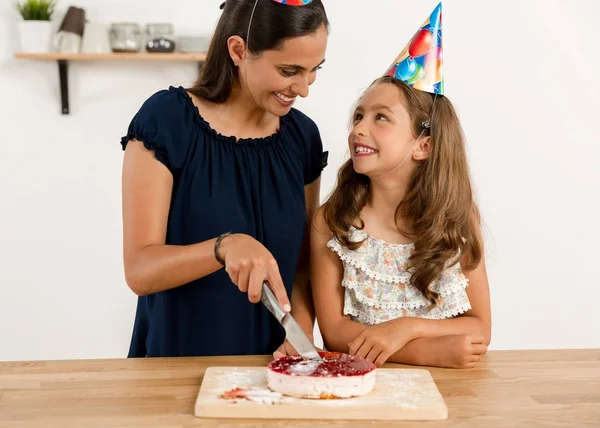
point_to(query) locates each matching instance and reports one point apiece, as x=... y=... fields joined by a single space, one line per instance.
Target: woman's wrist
x=220 y=249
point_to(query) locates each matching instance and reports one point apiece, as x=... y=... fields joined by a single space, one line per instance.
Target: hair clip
x=425 y=124
x=294 y=2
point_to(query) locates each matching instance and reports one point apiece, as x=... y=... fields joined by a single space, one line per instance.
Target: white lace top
x=377 y=286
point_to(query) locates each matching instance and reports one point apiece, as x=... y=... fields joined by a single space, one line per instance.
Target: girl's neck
x=384 y=196
x=379 y=214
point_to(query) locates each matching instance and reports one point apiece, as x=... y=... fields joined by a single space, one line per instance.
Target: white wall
x=522 y=74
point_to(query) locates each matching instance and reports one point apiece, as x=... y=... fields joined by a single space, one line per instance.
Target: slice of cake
x=338 y=376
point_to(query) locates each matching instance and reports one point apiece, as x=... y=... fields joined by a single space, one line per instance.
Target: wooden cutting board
x=399 y=394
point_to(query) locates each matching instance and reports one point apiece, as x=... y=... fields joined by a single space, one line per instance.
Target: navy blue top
x=220 y=184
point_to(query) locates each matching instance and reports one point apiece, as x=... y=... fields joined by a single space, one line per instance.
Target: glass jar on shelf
x=125 y=37
x=160 y=38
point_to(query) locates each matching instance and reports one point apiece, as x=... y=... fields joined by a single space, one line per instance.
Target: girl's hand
x=458 y=351
x=248 y=264
x=379 y=342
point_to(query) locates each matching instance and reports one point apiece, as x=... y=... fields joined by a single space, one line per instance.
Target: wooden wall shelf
x=63 y=60
x=195 y=57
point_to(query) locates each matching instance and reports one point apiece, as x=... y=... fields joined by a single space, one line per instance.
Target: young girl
x=398 y=241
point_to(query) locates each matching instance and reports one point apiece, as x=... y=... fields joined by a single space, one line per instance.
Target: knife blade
x=294 y=333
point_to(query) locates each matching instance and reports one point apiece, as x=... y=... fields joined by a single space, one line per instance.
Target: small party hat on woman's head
x=420 y=64
x=294 y=2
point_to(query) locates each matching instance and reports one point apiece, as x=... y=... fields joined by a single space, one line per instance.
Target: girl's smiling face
x=381 y=138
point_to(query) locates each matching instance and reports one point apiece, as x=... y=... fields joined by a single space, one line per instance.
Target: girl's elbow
x=331 y=339
x=487 y=334
x=334 y=346
x=482 y=328
x=488 y=338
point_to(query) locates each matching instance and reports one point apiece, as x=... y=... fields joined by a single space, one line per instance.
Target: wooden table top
x=508 y=388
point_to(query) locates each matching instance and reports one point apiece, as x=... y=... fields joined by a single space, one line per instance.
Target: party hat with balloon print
x=420 y=64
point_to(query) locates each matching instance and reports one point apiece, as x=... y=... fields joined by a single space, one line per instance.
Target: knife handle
x=270 y=301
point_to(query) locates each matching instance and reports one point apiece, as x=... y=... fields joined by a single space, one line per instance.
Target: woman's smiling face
x=278 y=76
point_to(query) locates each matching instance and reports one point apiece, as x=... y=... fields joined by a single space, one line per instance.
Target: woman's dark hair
x=272 y=24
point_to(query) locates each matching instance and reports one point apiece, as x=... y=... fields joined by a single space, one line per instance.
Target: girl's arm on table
x=477 y=321
x=454 y=351
x=457 y=342
x=454 y=342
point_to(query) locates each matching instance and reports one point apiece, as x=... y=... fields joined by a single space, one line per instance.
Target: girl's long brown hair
x=439 y=207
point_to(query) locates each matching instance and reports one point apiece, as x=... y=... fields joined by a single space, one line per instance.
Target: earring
x=235 y=63
x=416 y=155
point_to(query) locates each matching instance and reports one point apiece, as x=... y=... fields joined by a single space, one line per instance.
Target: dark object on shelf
x=161 y=45
x=69 y=35
x=74 y=21
x=160 y=37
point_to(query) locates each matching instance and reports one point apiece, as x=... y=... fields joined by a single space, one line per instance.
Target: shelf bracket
x=63 y=74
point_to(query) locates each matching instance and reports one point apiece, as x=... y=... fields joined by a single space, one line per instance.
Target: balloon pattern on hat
x=420 y=64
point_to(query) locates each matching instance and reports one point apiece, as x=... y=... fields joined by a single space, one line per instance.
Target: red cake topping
x=334 y=364
x=234 y=393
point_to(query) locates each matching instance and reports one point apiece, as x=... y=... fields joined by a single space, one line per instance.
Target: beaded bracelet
x=216 y=249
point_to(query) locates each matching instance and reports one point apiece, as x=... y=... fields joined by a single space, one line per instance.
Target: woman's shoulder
x=302 y=118
x=164 y=124
x=303 y=126
x=165 y=104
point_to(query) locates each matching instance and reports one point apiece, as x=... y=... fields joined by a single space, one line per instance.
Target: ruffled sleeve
x=316 y=156
x=163 y=124
x=314 y=159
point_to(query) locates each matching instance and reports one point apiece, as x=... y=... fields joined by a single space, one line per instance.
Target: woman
x=226 y=173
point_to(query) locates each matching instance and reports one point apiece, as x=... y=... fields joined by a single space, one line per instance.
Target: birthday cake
x=337 y=376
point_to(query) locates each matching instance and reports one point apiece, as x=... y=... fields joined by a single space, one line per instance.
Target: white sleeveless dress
x=377 y=286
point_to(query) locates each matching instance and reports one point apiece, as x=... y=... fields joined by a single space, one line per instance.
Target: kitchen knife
x=294 y=334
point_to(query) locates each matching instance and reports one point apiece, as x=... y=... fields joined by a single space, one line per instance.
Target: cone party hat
x=420 y=64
